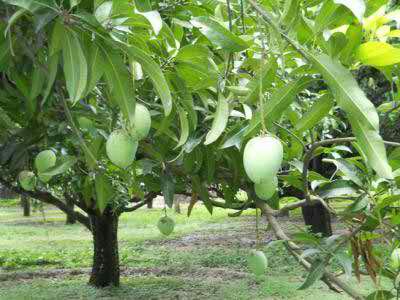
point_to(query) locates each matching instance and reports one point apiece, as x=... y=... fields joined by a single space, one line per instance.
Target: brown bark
x=26 y=205
x=105 y=270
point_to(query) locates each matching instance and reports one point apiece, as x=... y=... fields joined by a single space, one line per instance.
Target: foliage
x=213 y=74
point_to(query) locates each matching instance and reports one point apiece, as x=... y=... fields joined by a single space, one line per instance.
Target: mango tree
x=84 y=81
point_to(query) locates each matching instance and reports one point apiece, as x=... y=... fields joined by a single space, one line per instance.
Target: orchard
x=267 y=110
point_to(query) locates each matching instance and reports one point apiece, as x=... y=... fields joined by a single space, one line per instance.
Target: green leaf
x=121 y=88
x=155 y=74
x=349 y=170
x=37 y=82
x=380 y=295
x=14 y=18
x=154 y=19
x=219 y=35
x=53 y=68
x=31 y=5
x=96 y=67
x=354 y=36
x=268 y=75
x=316 y=272
x=357 y=7
x=361 y=112
x=143 y=5
x=56 y=41
x=61 y=167
x=317 y=112
x=220 y=120
x=74 y=3
x=337 y=188
x=279 y=102
x=75 y=66
x=291 y=12
x=378 y=54
x=168 y=187
x=184 y=127
x=104 y=191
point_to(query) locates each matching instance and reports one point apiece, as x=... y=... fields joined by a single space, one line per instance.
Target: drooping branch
x=310 y=154
x=294 y=249
x=147 y=199
x=48 y=198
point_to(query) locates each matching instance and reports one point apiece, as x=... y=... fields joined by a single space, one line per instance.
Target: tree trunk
x=316 y=216
x=26 y=205
x=70 y=218
x=150 y=204
x=105 y=270
x=177 y=205
x=319 y=218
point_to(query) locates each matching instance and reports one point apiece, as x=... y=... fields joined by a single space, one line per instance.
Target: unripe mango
x=257 y=262
x=121 y=148
x=142 y=122
x=27 y=180
x=266 y=189
x=395 y=259
x=166 y=225
x=262 y=158
x=43 y=162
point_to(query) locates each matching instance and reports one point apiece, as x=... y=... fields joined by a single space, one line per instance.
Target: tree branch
x=48 y=198
x=310 y=153
x=147 y=198
x=294 y=249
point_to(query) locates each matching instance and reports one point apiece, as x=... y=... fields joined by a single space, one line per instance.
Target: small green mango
x=166 y=225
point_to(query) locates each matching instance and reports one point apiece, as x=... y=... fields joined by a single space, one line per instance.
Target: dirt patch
x=240 y=234
x=198 y=272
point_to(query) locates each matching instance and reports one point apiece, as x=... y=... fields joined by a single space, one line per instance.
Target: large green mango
x=262 y=158
x=121 y=148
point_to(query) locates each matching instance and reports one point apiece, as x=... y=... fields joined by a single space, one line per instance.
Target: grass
x=205 y=258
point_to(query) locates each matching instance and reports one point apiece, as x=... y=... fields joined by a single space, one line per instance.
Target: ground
x=205 y=258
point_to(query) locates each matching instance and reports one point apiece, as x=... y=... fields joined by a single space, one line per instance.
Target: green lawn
x=205 y=258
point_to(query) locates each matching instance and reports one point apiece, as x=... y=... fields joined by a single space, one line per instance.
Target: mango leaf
x=56 y=41
x=96 y=67
x=14 y=18
x=346 y=262
x=31 y=5
x=317 y=112
x=53 y=68
x=155 y=74
x=154 y=19
x=37 y=82
x=268 y=75
x=279 y=102
x=184 y=127
x=354 y=36
x=61 y=167
x=380 y=295
x=316 y=272
x=291 y=12
x=143 y=5
x=220 y=120
x=362 y=113
x=337 y=188
x=168 y=187
x=219 y=35
x=104 y=191
x=357 y=7
x=75 y=66
x=378 y=54
x=121 y=88
x=349 y=170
